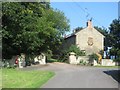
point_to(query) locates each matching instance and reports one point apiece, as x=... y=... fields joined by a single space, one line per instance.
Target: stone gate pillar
x=72 y=58
x=21 y=60
x=43 y=59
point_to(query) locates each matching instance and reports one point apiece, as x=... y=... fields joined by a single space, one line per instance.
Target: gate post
x=72 y=58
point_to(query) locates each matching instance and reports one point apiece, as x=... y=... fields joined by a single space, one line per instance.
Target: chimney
x=89 y=24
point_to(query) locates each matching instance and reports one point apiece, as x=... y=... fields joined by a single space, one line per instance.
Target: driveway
x=74 y=76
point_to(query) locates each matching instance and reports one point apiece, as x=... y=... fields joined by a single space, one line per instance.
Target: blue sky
x=102 y=12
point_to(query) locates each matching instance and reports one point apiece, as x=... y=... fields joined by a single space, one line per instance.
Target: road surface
x=74 y=76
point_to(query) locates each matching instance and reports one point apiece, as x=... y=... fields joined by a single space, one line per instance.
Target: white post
x=95 y=63
x=20 y=62
x=72 y=58
x=43 y=60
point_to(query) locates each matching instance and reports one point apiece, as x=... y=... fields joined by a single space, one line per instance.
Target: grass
x=13 y=78
x=0 y=78
x=108 y=66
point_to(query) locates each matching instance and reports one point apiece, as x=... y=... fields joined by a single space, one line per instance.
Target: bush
x=76 y=50
x=82 y=62
x=7 y=64
x=117 y=60
x=93 y=57
x=72 y=48
x=52 y=60
x=102 y=53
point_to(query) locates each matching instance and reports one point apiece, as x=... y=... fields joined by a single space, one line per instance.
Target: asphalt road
x=73 y=76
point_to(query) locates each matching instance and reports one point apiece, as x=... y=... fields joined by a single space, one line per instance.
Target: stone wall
x=22 y=60
x=40 y=58
x=83 y=59
x=105 y=62
x=73 y=59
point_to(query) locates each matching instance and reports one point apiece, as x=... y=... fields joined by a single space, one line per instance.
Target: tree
x=103 y=31
x=78 y=29
x=115 y=33
x=31 y=27
x=19 y=27
x=115 y=38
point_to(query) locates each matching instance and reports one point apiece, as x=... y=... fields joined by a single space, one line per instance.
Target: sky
x=102 y=13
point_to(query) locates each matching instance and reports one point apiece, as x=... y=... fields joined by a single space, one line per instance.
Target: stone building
x=88 y=39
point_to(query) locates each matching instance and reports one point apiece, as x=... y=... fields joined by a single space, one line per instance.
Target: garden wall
x=73 y=59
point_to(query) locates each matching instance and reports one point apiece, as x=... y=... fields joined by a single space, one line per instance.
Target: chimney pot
x=89 y=24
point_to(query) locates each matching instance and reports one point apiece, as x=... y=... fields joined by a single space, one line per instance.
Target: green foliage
x=76 y=50
x=52 y=60
x=114 y=39
x=82 y=62
x=101 y=53
x=113 y=51
x=117 y=59
x=115 y=33
x=101 y=30
x=93 y=57
x=78 y=29
x=49 y=54
x=31 y=28
x=72 y=48
x=116 y=53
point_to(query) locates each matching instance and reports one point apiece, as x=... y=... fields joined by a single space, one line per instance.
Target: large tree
x=31 y=27
x=115 y=38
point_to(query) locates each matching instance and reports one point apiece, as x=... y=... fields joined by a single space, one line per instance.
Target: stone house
x=88 y=39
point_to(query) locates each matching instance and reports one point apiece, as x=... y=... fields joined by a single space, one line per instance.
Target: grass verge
x=13 y=78
x=108 y=66
x=0 y=78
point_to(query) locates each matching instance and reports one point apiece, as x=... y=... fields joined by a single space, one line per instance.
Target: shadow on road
x=115 y=74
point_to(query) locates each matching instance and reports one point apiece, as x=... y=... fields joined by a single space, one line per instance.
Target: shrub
x=72 y=48
x=93 y=57
x=117 y=60
x=76 y=50
x=102 y=53
x=82 y=62
x=7 y=64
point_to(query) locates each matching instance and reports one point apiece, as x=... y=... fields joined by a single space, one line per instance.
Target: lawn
x=13 y=78
x=0 y=78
